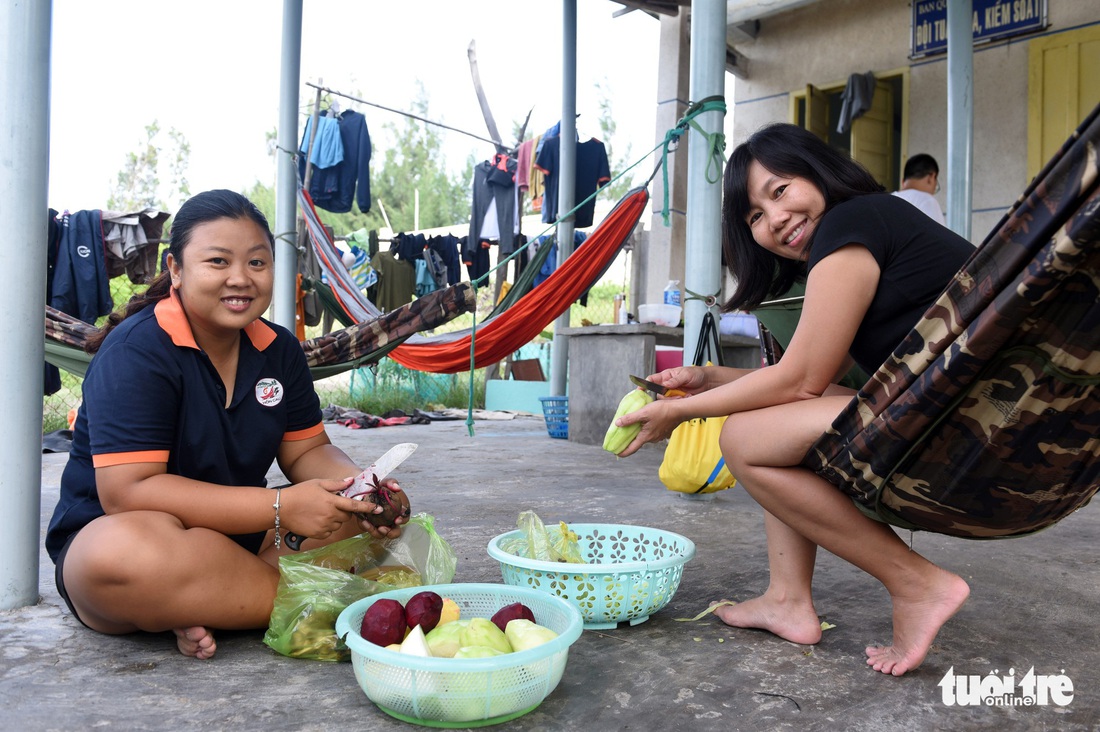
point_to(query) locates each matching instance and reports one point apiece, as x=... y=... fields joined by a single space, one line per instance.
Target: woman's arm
x=310 y=507
x=839 y=291
x=317 y=457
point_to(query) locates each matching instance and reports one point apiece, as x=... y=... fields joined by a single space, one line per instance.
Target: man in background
x=920 y=181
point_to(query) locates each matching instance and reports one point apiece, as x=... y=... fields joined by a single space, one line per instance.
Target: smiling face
x=783 y=211
x=224 y=278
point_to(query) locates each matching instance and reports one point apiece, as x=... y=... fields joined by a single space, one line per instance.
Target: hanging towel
x=856 y=99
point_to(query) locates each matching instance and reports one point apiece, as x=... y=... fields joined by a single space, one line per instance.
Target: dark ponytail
x=199 y=209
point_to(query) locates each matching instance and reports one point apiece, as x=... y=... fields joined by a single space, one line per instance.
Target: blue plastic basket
x=556 y=411
x=463 y=692
x=631 y=571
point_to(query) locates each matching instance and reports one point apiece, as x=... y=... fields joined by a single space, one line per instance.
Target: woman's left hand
x=658 y=420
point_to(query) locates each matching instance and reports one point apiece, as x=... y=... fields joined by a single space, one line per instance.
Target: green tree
x=608 y=128
x=138 y=184
x=407 y=156
x=414 y=162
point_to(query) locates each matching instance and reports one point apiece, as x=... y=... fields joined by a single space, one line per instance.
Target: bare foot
x=793 y=620
x=918 y=616
x=195 y=641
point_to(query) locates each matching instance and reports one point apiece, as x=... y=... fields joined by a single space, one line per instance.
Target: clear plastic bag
x=316 y=586
x=558 y=544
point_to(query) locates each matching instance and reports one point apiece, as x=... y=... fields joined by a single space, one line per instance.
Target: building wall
x=823 y=43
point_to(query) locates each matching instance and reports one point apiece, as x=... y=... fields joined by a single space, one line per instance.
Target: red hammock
x=506 y=332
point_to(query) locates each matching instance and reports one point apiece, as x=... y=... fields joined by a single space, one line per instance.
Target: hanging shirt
x=334 y=188
x=494 y=197
x=396 y=281
x=593 y=171
x=328 y=147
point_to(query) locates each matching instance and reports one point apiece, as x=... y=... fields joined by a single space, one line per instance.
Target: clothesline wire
x=401 y=112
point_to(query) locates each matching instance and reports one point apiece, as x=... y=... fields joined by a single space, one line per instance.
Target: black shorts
x=59 y=577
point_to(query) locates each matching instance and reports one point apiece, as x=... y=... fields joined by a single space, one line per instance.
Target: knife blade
x=656 y=389
x=379 y=469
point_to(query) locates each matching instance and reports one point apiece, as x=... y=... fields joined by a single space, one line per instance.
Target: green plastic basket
x=463 y=692
x=631 y=572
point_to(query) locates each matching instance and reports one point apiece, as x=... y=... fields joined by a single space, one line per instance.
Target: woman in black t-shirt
x=794 y=207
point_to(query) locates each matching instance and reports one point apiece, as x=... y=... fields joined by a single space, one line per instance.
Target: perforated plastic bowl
x=631 y=572
x=463 y=692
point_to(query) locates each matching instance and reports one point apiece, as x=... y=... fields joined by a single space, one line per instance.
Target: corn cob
x=617 y=438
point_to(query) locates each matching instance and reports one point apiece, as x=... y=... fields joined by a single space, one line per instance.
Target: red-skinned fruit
x=423 y=609
x=384 y=623
x=512 y=612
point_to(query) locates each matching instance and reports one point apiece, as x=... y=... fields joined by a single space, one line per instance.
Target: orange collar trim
x=172 y=319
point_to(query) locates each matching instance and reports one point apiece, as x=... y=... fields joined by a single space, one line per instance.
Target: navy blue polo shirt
x=152 y=395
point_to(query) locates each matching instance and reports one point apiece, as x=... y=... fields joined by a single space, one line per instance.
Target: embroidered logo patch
x=269 y=392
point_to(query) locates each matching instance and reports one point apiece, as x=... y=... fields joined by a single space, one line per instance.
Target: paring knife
x=656 y=388
x=363 y=482
x=379 y=469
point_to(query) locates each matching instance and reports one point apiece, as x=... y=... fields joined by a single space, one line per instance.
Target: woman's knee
x=122 y=548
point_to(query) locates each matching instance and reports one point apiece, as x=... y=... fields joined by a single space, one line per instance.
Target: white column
x=24 y=166
x=559 y=353
x=284 y=299
x=960 y=116
x=702 y=273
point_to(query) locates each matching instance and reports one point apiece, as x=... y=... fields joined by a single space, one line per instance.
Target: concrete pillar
x=284 y=298
x=24 y=166
x=703 y=252
x=960 y=116
x=663 y=259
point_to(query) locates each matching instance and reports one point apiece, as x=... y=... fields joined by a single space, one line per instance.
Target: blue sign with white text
x=992 y=19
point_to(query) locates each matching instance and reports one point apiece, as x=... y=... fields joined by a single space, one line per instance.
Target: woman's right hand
x=689 y=379
x=314 y=509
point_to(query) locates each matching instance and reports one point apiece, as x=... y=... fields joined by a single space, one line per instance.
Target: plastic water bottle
x=672 y=292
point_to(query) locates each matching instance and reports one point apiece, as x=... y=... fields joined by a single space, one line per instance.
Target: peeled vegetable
x=449 y=612
x=415 y=644
x=384 y=623
x=523 y=634
x=617 y=438
x=423 y=609
x=477 y=652
x=446 y=639
x=512 y=612
x=482 y=632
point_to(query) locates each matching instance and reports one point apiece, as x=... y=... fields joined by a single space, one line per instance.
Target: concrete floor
x=1034 y=603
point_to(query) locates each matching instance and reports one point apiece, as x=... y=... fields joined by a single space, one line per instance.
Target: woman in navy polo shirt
x=165 y=521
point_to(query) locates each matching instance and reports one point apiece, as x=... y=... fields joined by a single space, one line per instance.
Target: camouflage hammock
x=362 y=343
x=985 y=421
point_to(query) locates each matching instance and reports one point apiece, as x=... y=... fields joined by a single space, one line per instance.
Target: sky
x=210 y=70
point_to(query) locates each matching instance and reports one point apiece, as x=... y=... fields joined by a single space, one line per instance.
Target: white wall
x=822 y=44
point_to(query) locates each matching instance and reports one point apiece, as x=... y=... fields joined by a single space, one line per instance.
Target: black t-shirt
x=917 y=256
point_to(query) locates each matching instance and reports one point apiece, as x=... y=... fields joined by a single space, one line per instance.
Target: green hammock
x=331 y=354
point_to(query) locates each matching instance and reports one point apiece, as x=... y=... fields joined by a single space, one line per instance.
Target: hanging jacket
x=334 y=188
x=80 y=284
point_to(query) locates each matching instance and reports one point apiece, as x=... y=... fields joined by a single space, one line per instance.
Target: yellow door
x=1063 y=87
x=873 y=136
x=817 y=112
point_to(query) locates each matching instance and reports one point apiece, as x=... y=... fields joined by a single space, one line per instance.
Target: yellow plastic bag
x=693 y=462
